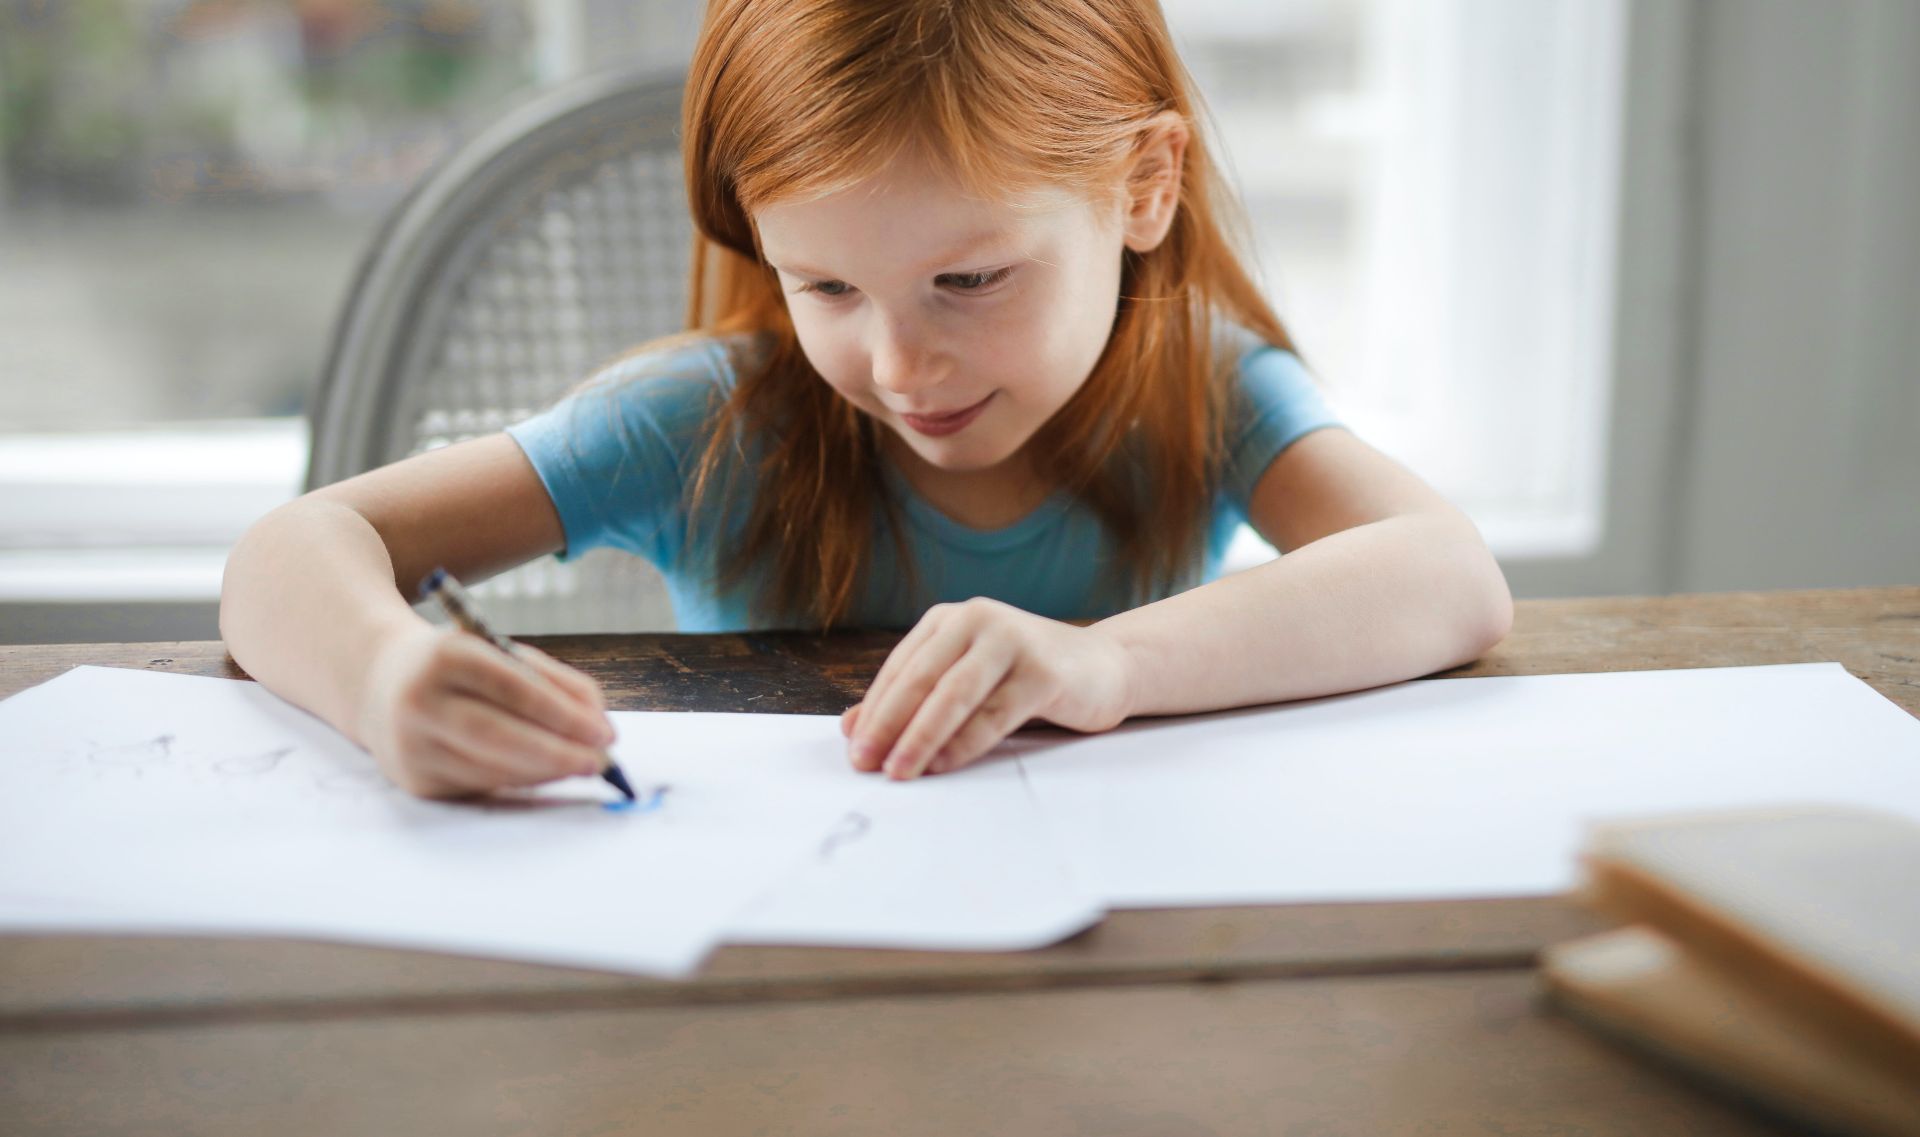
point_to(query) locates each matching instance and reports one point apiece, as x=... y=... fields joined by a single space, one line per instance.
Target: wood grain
x=75 y=982
x=1875 y=632
x=1367 y=1057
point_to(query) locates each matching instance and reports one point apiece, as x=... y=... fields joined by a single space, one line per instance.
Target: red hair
x=795 y=99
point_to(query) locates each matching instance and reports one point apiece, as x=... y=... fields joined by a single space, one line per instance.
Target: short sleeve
x=616 y=455
x=1275 y=403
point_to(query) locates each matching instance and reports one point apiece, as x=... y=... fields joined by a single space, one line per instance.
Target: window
x=187 y=185
x=187 y=188
x=1432 y=189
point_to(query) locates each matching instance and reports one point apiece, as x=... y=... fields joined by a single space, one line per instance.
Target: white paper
x=141 y=801
x=959 y=862
x=1453 y=787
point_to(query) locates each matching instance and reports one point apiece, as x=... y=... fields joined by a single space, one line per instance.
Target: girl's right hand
x=448 y=715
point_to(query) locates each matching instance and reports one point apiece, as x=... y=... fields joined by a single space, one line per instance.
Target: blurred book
x=1774 y=953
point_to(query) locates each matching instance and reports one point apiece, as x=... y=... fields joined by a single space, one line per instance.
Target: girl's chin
x=953 y=459
x=959 y=456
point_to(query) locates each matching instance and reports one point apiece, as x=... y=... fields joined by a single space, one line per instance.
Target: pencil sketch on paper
x=847 y=830
x=130 y=753
x=132 y=759
x=250 y=764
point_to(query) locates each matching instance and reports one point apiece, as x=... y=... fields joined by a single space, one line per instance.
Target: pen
x=440 y=585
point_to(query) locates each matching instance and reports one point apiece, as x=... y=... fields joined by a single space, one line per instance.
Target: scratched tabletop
x=1339 y=1018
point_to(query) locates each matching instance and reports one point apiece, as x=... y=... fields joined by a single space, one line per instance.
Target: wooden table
x=1306 y=1020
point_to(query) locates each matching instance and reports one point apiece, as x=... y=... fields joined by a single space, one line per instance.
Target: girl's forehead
x=829 y=238
x=908 y=181
x=913 y=205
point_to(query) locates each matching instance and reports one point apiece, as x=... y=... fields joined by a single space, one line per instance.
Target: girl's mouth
x=952 y=422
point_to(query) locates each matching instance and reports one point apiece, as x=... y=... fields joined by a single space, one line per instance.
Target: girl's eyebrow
x=963 y=249
x=968 y=247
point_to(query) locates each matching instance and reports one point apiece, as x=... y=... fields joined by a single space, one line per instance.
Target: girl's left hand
x=970 y=674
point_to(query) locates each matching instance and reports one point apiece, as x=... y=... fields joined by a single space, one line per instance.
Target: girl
x=969 y=352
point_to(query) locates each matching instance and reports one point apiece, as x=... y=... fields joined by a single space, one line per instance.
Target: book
x=1641 y=989
x=1775 y=952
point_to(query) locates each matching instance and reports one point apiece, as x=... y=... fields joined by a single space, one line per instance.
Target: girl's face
x=961 y=324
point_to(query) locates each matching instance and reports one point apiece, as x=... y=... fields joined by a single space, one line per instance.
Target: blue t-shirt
x=617 y=456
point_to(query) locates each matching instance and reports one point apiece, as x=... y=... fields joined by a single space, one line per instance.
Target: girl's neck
x=993 y=498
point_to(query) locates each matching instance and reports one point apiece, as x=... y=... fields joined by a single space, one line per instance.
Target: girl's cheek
x=842 y=388
x=848 y=381
x=831 y=357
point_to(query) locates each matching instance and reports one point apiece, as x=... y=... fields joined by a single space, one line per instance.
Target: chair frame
x=429 y=235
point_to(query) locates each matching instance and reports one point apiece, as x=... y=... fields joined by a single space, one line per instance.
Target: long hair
x=795 y=99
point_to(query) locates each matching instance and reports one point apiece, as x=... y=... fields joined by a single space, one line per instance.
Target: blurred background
x=1635 y=281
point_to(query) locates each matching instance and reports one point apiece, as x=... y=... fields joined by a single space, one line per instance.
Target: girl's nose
x=901 y=359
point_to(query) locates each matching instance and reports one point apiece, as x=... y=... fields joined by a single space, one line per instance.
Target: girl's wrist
x=363 y=672
x=1133 y=698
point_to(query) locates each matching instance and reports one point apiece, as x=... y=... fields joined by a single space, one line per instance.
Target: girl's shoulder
x=698 y=366
x=1272 y=402
x=654 y=404
x=1238 y=349
x=1262 y=378
x=669 y=390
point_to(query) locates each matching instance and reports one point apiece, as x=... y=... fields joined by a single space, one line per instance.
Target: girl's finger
x=438 y=771
x=849 y=723
x=952 y=702
x=571 y=680
x=849 y=719
x=1004 y=712
x=479 y=669
x=431 y=770
x=897 y=659
x=519 y=752
x=580 y=686
x=887 y=713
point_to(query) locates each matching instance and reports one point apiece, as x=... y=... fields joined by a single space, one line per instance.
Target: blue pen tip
x=618 y=779
x=431 y=582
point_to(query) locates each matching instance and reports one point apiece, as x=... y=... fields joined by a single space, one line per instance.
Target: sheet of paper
x=140 y=801
x=136 y=801
x=1453 y=787
x=960 y=862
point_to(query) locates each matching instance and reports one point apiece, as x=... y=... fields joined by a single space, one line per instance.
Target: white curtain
x=1487 y=246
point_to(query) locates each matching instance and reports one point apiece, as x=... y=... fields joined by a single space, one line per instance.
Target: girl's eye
x=826 y=287
x=973 y=281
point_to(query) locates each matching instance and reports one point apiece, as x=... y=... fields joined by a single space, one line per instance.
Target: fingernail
x=865 y=753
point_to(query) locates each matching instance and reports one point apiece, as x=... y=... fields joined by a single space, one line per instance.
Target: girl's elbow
x=1480 y=602
x=1491 y=607
x=1499 y=614
x=245 y=573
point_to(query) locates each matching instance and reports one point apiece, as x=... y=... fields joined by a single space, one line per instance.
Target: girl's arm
x=315 y=605
x=1383 y=580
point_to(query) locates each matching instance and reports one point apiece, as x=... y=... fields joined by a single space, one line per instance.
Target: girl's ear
x=1153 y=181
